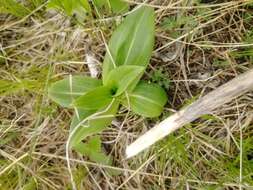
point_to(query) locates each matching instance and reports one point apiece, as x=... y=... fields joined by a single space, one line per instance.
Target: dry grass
x=194 y=56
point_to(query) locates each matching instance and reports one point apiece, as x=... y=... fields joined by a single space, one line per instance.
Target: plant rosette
x=96 y=102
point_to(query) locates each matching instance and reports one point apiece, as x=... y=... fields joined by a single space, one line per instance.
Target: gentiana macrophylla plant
x=96 y=102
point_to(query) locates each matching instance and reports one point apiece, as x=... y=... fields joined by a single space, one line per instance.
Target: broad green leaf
x=93 y=124
x=116 y=6
x=123 y=77
x=94 y=99
x=147 y=100
x=132 y=42
x=65 y=91
x=119 y=6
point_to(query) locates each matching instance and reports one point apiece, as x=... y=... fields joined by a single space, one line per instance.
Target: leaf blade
x=94 y=99
x=119 y=6
x=92 y=149
x=66 y=90
x=147 y=100
x=128 y=47
x=91 y=125
x=71 y=7
x=116 y=6
x=124 y=77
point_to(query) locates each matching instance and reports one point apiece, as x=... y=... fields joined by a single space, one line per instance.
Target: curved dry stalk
x=205 y=105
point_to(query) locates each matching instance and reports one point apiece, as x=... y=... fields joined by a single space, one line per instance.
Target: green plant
x=96 y=101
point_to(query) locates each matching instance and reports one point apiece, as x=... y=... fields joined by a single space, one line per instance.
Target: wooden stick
x=204 y=105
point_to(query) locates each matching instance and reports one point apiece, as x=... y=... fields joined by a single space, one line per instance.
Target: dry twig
x=204 y=105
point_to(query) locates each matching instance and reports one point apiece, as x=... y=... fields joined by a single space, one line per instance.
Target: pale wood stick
x=205 y=105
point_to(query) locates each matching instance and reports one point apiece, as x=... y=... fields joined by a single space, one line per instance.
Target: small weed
x=161 y=78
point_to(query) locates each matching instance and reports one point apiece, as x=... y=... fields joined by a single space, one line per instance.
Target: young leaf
x=87 y=148
x=132 y=42
x=65 y=91
x=123 y=77
x=95 y=154
x=92 y=149
x=92 y=125
x=147 y=99
x=95 y=99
